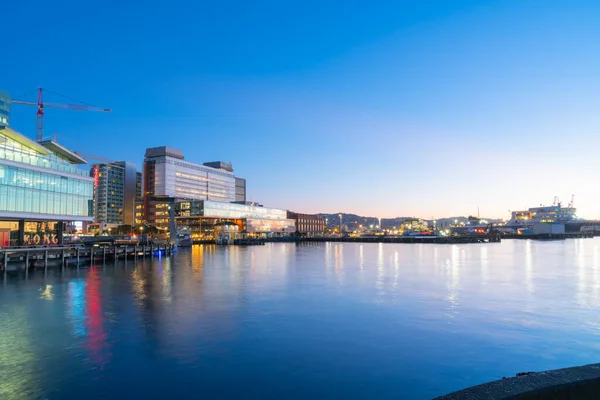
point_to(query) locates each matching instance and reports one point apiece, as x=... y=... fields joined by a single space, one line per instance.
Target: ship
x=553 y=214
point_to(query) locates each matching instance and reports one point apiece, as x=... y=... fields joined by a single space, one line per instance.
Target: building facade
x=307 y=223
x=200 y=217
x=5 y=102
x=115 y=192
x=41 y=188
x=166 y=173
x=139 y=190
x=240 y=190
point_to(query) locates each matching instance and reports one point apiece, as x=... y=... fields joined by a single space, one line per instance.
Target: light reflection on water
x=330 y=320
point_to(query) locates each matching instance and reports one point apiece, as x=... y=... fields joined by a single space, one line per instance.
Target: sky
x=379 y=108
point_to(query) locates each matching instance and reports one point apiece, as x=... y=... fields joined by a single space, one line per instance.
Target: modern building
x=115 y=193
x=200 y=217
x=307 y=223
x=167 y=173
x=139 y=190
x=41 y=188
x=5 y=101
x=240 y=190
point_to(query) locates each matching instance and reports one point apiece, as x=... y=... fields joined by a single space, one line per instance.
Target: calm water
x=301 y=321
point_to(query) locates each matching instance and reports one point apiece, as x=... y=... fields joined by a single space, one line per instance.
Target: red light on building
x=96 y=177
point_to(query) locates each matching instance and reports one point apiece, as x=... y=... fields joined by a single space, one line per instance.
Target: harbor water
x=314 y=320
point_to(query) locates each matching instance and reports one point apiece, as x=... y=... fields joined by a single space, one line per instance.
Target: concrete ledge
x=568 y=383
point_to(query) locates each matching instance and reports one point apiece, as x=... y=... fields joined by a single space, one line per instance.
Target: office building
x=167 y=173
x=240 y=190
x=41 y=188
x=5 y=101
x=307 y=224
x=115 y=192
x=139 y=190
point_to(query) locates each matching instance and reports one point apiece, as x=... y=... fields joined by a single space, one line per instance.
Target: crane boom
x=77 y=107
x=40 y=113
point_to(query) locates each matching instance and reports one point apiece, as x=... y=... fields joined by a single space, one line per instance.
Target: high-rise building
x=240 y=190
x=41 y=187
x=138 y=186
x=166 y=173
x=115 y=191
x=4 y=108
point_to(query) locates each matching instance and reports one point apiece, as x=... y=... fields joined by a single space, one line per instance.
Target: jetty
x=25 y=257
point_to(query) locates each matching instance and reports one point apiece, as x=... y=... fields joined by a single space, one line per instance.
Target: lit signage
x=41 y=238
x=96 y=177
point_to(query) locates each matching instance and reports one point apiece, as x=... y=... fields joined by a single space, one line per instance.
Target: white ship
x=555 y=213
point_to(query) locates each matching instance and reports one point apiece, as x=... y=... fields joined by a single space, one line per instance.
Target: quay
x=551 y=236
x=489 y=238
x=14 y=258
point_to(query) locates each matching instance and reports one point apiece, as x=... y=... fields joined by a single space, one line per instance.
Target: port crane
x=39 y=132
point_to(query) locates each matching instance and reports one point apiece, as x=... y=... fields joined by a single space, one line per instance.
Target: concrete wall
x=561 y=384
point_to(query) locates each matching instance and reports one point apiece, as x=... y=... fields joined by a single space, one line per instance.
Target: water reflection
x=228 y=321
x=96 y=338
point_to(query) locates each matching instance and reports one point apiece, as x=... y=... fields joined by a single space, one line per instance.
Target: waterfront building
x=115 y=192
x=167 y=173
x=200 y=217
x=5 y=101
x=240 y=190
x=139 y=190
x=157 y=211
x=41 y=188
x=307 y=223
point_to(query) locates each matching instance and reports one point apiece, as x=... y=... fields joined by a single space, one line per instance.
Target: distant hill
x=353 y=220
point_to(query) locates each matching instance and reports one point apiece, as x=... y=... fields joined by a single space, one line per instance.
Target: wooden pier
x=76 y=255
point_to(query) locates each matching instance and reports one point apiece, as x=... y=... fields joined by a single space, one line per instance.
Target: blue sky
x=385 y=108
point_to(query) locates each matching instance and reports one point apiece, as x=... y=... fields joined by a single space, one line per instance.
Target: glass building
x=40 y=187
x=4 y=108
x=200 y=218
x=166 y=173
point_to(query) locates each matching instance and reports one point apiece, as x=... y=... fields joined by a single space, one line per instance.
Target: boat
x=554 y=214
x=184 y=239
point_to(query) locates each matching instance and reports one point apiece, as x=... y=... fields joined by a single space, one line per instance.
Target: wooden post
x=143 y=252
x=103 y=254
x=125 y=252
x=5 y=263
x=135 y=252
x=78 y=258
x=115 y=251
x=92 y=256
x=26 y=264
x=62 y=256
x=45 y=259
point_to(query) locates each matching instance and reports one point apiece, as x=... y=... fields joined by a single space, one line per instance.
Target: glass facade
x=173 y=177
x=42 y=185
x=28 y=191
x=217 y=209
x=4 y=108
x=12 y=151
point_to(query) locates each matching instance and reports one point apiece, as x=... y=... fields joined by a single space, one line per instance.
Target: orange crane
x=39 y=133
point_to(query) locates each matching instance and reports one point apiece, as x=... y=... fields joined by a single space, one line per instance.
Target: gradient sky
x=380 y=108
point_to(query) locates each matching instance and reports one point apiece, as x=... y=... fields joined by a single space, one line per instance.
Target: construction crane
x=39 y=132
